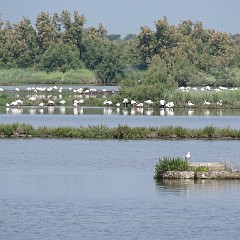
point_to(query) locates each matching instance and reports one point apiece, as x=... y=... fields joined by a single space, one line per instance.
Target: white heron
x=81 y=101
x=133 y=102
x=169 y=105
x=190 y=104
x=125 y=101
x=149 y=102
x=188 y=156
x=62 y=102
x=40 y=105
x=33 y=99
x=139 y=105
x=51 y=103
x=220 y=103
x=162 y=103
x=206 y=103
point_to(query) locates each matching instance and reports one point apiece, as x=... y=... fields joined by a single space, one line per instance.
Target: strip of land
x=22 y=130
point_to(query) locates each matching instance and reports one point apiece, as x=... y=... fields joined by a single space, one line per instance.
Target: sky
x=127 y=16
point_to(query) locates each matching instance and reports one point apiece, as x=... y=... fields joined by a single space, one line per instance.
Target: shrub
x=122 y=132
x=171 y=164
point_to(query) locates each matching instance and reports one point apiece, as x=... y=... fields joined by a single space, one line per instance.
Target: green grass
x=30 y=76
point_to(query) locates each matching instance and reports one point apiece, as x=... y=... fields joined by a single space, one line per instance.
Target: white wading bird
x=188 y=156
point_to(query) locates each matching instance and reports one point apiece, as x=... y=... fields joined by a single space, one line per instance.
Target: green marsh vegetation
x=30 y=76
x=119 y=132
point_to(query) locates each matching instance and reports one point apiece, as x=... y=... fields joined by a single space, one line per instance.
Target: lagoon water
x=103 y=189
x=112 y=117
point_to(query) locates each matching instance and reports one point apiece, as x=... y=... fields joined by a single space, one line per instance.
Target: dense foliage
x=186 y=54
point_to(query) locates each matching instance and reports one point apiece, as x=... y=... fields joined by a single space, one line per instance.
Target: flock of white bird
x=206 y=88
x=92 y=91
x=50 y=102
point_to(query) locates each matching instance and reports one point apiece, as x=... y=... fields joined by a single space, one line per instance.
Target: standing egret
x=188 y=156
x=162 y=103
x=149 y=102
x=169 y=105
x=206 y=103
x=125 y=102
x=220 y=103
x=190 y=104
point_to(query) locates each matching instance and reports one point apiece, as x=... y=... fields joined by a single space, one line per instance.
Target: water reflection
x=107 y=111
x=62 y=110
x=14 y=111
x=140 y=111
x=191 y=186
x=169 y=111
x=50 y=109
x=32 y=111
x=148 y=112
x=162 y=112
x=40 y=110
x=206 y=112
x=78 y=111
x=119 y=111
x=190 y=112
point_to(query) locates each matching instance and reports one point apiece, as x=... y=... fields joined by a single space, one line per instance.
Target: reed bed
x=119 y=132
x=30 y=76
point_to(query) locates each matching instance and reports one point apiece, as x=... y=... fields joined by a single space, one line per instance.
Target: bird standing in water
x=188 y=156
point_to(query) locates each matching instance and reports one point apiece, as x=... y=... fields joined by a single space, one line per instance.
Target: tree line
x=186 y=54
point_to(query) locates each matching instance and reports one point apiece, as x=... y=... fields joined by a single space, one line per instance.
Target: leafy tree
x=74 y=30
x=60 y=57
x=130 y=36
x=157 y=71
x=26 y=49
x=47 y=30
x=114 y=37
x=104 y=57
x=166 y=35
x=7 y=46
x=146 y=46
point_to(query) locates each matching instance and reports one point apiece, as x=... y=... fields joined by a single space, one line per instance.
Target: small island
x=178 y=168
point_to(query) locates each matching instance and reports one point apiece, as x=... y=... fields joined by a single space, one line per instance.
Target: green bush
x=122 y=132
x=171 y=164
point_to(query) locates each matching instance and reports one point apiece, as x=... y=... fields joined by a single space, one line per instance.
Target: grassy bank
x=29 y=76
x=120 y=132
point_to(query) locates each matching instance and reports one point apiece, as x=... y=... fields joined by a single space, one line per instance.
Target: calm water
x=88 y=189
x=112 y=117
